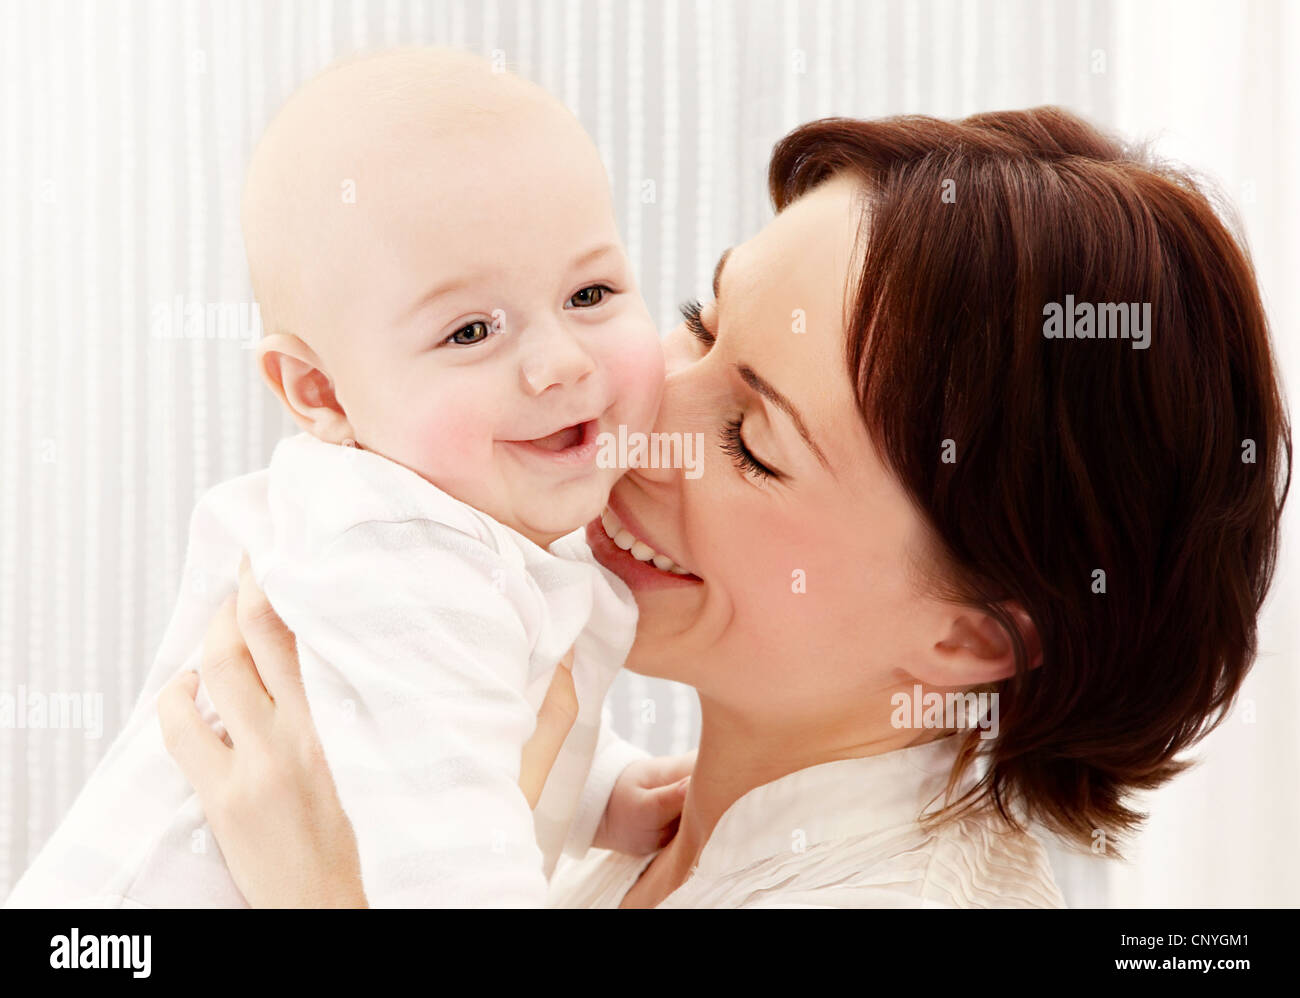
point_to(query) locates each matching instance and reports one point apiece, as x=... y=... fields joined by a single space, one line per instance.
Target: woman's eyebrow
x=761 y=385
x=717 y=272
x=765 y=388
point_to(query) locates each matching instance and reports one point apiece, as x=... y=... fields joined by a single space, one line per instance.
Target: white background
x=125 y=129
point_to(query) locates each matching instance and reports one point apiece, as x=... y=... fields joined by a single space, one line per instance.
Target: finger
x=270 y=643
x=201 y=755
x=666 y=834
x=554 y=720
x=666 y=802
x=231 y=678
x=668 y=769
x=679 y=765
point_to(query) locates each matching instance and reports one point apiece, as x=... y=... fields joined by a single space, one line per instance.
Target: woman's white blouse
x=840 y=835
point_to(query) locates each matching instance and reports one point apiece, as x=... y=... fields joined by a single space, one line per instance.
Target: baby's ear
x=294 y=372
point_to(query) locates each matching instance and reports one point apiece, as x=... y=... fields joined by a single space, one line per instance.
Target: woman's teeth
x=637 y=548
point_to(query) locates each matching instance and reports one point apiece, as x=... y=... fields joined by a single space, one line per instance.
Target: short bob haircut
x=1128 y=500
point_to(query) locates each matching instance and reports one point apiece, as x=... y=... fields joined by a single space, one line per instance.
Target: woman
x=941 y=465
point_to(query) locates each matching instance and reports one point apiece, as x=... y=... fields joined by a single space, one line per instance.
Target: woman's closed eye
x=732 y=443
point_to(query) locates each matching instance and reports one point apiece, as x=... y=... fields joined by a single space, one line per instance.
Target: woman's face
x=803 y=598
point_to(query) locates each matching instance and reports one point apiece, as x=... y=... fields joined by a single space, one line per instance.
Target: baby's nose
x=555 y=358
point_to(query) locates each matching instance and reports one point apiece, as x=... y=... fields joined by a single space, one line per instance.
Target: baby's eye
x=475 y=332
x=588 y=297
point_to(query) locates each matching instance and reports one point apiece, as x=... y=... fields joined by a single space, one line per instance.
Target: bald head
x=436 y=254
x=348 y=155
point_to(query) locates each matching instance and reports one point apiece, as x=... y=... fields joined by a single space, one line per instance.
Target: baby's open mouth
x=572 y=446
x=570 y=436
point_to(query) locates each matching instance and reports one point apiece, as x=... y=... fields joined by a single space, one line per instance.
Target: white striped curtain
x=126 y=127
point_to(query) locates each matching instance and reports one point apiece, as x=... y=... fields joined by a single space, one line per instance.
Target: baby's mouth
x=570 y=436
x=572 y=446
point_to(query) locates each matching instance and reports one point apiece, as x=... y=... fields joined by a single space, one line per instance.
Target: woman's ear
x=294 y=372
x=975 y=647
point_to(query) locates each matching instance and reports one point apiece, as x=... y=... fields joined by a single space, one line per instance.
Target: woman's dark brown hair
x=1164 y=468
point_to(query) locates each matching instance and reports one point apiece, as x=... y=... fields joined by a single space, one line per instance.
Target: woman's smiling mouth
x=634 y=546
x=632 y=559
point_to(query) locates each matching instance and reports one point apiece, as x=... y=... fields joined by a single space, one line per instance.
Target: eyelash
x=732 y=443
x=590 y=287
x=691 y=311
x=604 y=288
x=450 y=340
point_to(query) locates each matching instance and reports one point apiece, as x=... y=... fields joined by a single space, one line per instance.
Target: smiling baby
x=452 y=324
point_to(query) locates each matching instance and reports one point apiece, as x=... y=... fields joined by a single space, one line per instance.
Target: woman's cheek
x=680 y=351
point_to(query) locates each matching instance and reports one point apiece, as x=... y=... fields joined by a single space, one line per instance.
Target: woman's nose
x=553 y=356
x=677 y=352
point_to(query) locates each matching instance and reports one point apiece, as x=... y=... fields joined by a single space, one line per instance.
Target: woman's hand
x=268 y=795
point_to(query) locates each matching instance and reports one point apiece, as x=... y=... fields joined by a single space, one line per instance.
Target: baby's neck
x=543 y=541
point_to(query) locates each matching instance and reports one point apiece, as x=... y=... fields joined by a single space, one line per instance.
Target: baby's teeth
x=610 y=522
x=662 y=562
x=624 y=539
x=642 y=551
x=678 y=570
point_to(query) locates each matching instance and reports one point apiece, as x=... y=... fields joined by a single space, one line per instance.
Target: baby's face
x=488 y=326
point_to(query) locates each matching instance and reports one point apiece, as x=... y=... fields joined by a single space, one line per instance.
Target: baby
x=451 y=321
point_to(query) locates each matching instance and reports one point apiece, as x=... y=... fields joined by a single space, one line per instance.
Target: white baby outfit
x=427 y=633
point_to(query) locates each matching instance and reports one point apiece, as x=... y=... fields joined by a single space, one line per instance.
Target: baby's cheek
x=444 y=437
x=637 y=376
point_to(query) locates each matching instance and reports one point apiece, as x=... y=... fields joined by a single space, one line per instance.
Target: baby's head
x=441 y=280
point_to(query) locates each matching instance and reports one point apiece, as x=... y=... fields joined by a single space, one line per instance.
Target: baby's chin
x=561 y=511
